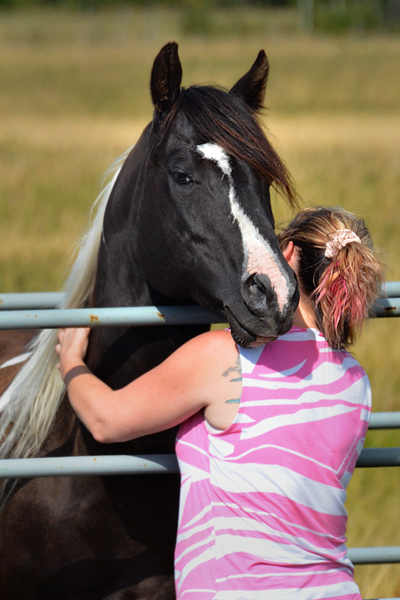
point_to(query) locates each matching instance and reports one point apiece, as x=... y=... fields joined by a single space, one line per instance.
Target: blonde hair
x=342 y=285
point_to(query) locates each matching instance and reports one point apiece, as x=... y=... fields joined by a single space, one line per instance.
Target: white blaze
x=260 y=257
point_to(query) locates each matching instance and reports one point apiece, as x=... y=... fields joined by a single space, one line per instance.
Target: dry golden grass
x=349 y=160
x=75 y=96
x=353 y=131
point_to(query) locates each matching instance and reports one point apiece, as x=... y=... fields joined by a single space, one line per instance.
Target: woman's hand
x=72 y=348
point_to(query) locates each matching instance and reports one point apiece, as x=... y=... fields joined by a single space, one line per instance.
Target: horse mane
x=31 y=401
x=223 y=118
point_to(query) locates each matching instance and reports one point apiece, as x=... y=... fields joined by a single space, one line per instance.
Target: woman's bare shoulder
x=208 y=353
x=212 y=344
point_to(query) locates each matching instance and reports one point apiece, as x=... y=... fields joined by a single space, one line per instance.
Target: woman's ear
x=290 y=253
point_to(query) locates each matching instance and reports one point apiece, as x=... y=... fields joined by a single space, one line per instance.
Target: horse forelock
x=224 y=119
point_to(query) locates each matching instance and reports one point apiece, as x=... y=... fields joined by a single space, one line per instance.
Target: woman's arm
x=197 y=375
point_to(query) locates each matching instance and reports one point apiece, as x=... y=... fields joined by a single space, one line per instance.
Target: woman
x=270 y=435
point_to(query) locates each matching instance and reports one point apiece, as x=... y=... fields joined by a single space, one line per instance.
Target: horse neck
x=118 y=355
x=119 y=278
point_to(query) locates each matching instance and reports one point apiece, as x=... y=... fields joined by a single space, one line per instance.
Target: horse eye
x=182 y=178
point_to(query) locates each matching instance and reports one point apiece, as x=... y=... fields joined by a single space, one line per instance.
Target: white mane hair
x=29 y=405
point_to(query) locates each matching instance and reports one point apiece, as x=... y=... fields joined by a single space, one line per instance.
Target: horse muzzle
x=259 y=314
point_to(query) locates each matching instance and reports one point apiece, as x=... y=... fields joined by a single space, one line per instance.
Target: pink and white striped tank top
x=262 y=503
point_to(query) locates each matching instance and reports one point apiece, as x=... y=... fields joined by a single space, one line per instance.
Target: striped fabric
x=262 y=503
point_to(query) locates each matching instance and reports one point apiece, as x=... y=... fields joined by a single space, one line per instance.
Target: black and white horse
x=186 y=219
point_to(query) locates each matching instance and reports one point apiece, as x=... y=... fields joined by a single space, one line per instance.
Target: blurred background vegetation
x=74 y=80
x=320 y=15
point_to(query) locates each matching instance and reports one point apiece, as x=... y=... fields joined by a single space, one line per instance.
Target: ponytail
x=338 y=270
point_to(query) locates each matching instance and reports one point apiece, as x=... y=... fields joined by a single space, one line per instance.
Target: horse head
x=206 y=229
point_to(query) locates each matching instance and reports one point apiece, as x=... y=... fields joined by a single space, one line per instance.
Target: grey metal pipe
x=139 y=316
x=391 y=289
x=126 y=464
x=379 y=457
x=384 y=420
x=107 y=317
x=385 y=307
x=31 y=301
x=42 y=300
x=372 y=556
x=23 y=468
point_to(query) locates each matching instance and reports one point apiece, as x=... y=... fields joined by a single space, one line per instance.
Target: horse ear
x=251 y=87
x=166 y=77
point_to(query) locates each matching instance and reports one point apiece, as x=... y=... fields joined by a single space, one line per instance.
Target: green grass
x=75 y=96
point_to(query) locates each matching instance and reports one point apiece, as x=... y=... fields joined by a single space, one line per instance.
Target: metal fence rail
x=106 y=317
x=118 y=464
x=25 y=468
x=139 y=316
x=386 y=307
x=33 y=300
x=374 y=555
x=41 y=300
x=385 y=420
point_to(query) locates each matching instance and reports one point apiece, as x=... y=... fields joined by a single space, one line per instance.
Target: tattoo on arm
x=237 y=368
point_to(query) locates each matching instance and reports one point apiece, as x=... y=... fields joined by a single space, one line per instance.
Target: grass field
x=75 y=96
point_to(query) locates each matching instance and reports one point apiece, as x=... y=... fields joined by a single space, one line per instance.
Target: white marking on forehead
x=260 y=257
x=218 y=155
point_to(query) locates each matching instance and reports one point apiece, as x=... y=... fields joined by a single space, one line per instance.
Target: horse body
x=188 y=220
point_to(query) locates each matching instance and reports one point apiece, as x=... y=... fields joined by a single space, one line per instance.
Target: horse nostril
x=260 y=289
x=256 y=284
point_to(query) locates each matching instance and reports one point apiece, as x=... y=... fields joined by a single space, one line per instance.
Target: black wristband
x=74 y=372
